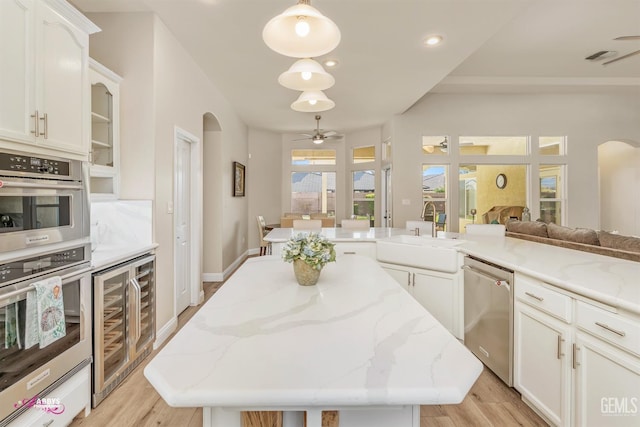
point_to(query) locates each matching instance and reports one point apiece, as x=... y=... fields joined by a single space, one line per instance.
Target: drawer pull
x=534 y=296
x=609 y=328
x=349 y=253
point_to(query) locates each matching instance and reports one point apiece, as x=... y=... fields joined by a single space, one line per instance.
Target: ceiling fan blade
x=333 y=136
x=622 y=57
x=302 y=139
x=628 y=38
x=308 y=135
x=330 y=133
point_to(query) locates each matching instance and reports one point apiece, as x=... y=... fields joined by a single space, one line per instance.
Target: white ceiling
x=489 y=45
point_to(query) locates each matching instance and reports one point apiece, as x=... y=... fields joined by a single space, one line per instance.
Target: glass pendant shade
x=306 y=74
x=312 y=101
x=301 y=31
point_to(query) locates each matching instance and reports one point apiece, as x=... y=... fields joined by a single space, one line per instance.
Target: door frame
x=195 y=217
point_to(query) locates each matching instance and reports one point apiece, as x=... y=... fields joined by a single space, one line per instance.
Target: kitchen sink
x=420 y=251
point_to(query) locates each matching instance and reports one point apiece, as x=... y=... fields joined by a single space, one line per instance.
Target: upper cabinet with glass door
x=105 y=129
x=44 y=54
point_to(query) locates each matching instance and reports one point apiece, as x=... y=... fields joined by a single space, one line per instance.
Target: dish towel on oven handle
x=11 y=328
x=45 y=321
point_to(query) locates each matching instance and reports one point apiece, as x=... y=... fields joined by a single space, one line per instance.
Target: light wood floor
x=136 y=403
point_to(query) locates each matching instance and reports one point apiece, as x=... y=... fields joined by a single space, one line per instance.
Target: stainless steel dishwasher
x=488 y=315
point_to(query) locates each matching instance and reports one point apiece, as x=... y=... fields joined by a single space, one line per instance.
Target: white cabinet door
x=16 y=70
x=436 y=293
x=607 y=384
x=62 y=95
x=399 y=275
x=542 y=365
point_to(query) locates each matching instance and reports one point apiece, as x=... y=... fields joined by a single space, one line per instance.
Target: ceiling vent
x=601 y=55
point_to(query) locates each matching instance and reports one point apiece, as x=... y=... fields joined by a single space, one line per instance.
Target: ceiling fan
x=443 y=145
x=319 y=135
x=628 y=54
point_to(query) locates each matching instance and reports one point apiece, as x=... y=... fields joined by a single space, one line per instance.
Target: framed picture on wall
x=238 y=179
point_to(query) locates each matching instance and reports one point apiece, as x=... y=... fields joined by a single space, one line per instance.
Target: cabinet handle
x=414 y=279
x=534 y=296
x=45 y=119
x=575 y=356
x=560 y=341
x=349 y=253
x=36 y=116
x=609 y=328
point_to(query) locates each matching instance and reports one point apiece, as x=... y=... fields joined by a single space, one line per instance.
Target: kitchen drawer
x=532 y=292
x=75 y=396
x=367 y=249
x=611 y=327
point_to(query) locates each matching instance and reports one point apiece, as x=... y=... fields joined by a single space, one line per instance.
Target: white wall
x=586 y=119
x=264 y=177
x=619 y=182
x=170 y=90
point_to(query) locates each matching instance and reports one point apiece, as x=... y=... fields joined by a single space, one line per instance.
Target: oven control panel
x=12 y=271
x=35 y=165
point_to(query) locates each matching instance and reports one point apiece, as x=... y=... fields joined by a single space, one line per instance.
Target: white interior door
x=182 y=223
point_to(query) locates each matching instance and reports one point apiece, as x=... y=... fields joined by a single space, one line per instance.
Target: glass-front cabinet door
x=111 y=307
x=105 y=129
x=144 y=274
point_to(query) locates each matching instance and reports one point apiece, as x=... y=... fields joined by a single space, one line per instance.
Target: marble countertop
x=107 y=255
x=354 y=339
x=612 y=281
x=338 y=234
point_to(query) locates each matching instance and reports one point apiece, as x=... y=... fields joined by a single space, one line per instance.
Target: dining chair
x=441 y=221
x=265 y=247
x=355 y=224
x=307 y=224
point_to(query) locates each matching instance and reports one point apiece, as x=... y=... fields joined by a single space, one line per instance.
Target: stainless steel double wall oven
x=44 y=232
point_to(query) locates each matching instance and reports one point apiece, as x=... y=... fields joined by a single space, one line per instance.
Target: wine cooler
x=124 y=321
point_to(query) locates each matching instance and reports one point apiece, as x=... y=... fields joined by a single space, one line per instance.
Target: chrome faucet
x=433 y=221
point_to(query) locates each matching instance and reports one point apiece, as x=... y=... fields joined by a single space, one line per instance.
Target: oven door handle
x=12 y=294
x=138 y=305
x=43 y=185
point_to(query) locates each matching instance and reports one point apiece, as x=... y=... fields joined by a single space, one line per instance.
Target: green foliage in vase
x=312 y=248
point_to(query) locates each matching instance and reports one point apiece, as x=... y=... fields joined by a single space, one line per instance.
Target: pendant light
x=301 y=31
x=312 y=101
x=306 y=74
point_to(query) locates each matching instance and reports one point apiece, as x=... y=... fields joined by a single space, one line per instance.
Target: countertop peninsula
x=354 y=341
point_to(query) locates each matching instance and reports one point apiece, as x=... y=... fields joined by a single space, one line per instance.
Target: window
x=364 y=154
x=551 y=145
x=478 y=190
x=313 y=192
x=300 y=157
x=435 y=145
x=364 y=186
x=551 y=193
x=434 y=189
x=493 y=145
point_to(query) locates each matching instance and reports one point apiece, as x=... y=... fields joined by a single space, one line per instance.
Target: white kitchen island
x=356 y=342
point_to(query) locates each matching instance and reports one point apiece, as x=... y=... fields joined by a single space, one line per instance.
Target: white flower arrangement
x=312 y=248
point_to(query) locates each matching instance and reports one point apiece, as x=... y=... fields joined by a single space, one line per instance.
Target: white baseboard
x=219 y=277
x=165 y=332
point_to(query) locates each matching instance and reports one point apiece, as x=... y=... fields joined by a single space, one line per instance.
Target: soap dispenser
x=526 y=215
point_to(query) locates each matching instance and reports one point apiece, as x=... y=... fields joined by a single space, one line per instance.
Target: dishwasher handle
x=498 y=281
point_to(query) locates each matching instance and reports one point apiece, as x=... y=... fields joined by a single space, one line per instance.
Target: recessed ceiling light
x=433 y=40
x=330 y=63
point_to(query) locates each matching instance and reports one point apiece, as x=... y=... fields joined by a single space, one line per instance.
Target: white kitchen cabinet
x=367 y=249
x=44 y=96
x=105 y=131
x=440 y=293
x=576 y=360
x=542 y=365
x=607 y=384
